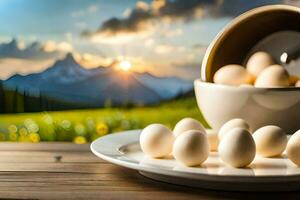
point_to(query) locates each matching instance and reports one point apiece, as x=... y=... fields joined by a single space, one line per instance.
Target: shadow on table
x=183 y=191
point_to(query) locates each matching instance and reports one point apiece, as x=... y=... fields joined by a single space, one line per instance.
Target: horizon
x=112 y=67
x=163 y=38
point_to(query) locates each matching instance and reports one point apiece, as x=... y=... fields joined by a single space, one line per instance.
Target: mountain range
x=68 y=81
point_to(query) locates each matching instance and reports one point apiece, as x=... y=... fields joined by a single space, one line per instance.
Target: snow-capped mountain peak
x=68 y=81
x=67 y=70
x=69 y=60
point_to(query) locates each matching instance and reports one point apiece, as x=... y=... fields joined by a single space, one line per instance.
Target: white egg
x=297 y=84
x=293 y=148
x=187 y=124
x=258 y=62
x=213 y=140
x=233 y=75
x=191 y=148
x=156 y=140
x=270 y=141
x=233 y=123
x=237 y=148
x=273 y=76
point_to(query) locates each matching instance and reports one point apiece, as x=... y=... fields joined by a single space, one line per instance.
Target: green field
x=82 y=126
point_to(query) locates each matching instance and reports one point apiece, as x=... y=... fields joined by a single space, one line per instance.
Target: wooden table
x=70 y=171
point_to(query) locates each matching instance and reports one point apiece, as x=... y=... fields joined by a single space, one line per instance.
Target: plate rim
x=179 y=174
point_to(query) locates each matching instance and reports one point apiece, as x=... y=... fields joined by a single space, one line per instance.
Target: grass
x=82 y=126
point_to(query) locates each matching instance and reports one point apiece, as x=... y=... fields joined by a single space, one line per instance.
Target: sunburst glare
x=125 y=65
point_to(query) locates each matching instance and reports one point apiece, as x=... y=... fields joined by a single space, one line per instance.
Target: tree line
x=17 y=101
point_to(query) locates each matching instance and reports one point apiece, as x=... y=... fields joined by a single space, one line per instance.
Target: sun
x=125 y=65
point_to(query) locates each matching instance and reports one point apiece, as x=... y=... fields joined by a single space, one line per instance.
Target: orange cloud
x=52 y=46
x=142 y=17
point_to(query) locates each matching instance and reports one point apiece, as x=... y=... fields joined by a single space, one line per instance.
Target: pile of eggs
x=190 y=144
x=260 y=71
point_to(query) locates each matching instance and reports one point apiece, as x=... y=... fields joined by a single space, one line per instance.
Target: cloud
x=292 y=2
x=81 y=25
x=126 y=12
x=190 y=70
x=89 y=10
x=11 y=66
x=68 y=36
x=187 y=70
x=4 y=38
x=91 y=60
x=171 y=33
x=143 y=16
x=163 y=48
x=234 y=8
x=199 y=47
x=92 y=8
x=167 y=48
x=149 y=42
x=137 y=20
x=33 y=51
x=52 y=46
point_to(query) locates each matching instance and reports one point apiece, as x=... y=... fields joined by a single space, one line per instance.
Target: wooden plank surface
x=70 y=171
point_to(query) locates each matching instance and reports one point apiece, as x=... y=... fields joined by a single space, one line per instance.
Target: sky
x=166 y=38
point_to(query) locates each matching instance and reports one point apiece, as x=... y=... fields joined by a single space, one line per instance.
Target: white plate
x=264 y=174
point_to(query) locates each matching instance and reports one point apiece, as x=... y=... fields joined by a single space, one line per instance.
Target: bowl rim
x=235 y=22
x=199 y=81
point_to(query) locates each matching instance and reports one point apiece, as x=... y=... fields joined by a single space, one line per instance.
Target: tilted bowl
x=258 y=106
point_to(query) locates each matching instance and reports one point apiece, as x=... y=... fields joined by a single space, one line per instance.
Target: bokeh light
x=79 y=140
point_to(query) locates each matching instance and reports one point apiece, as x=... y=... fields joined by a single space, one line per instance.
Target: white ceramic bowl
x=258 y=106
x=240 y=37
